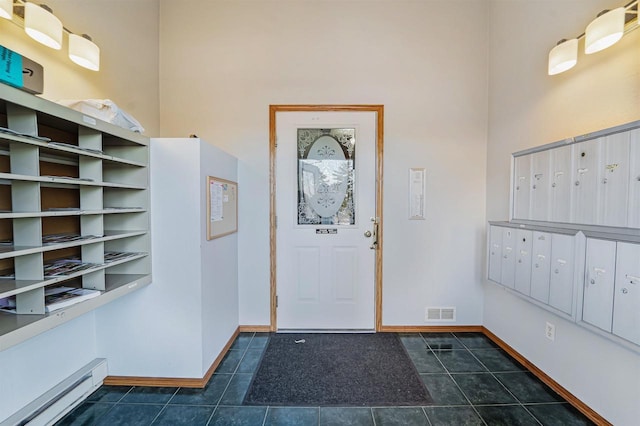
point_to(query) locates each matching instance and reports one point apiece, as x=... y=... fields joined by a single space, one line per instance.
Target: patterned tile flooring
x=471 y=381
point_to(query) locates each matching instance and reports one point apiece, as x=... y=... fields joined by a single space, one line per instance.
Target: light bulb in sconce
x=605 y=30
x=84 y=52
x=564 y=56
x=6 y=9
x=42 y=25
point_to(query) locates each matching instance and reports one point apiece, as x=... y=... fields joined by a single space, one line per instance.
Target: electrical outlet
x=550 y=331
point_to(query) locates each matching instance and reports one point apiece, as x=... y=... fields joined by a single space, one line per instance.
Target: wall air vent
x=440 y=314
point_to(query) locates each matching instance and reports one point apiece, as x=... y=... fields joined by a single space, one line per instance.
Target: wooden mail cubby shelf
x=74 y=212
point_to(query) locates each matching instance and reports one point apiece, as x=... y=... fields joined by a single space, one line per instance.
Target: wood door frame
x=273 y=110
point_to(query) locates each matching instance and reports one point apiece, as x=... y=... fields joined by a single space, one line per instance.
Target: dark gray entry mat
x=336 y=370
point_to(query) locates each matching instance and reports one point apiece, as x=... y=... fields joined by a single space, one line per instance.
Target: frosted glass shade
x=84 y=52
x=42 y=26
x=6 y=9
x=563 y=57
x=604 y=31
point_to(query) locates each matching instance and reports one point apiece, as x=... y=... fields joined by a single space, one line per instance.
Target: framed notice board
x=222 y=207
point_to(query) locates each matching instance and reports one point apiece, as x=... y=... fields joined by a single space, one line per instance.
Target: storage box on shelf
x=573 y=244
x=71 y=187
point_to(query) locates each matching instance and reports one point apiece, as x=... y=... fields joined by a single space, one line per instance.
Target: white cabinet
x=560 y=197
x=508 y=262
x=597 y=308
x=495 y=253
x=562 y=272
x=522 y=187
x=626 y=314
x=633 y=215
x=540 y=269
x=523 y=261
x=585 y=181
x=540 y=185
x=613 y=180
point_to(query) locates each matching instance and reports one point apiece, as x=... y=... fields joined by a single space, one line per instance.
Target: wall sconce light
x=84 y=52
x=42 y=25
x=604 y=31
x=6 y=9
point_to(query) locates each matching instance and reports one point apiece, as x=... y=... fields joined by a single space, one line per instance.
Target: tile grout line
x=215 y=410
x=456 y=383
x=520 y=403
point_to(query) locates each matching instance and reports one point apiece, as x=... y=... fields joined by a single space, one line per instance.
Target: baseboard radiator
x=62 y=398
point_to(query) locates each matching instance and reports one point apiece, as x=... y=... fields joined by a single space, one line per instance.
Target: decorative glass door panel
x=326 y=177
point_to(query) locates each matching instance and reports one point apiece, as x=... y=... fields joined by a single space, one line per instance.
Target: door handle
x=374 y=243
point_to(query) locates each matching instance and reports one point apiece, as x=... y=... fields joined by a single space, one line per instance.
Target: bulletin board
x=222 y=207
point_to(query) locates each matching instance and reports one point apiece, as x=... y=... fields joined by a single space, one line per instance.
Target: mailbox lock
x=592 y=281
x=577 y=183
x=625 y=291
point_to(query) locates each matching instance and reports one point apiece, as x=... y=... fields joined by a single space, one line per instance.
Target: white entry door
x=325 y=203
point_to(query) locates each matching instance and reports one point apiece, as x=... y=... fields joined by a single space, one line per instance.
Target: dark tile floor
x=471 y=381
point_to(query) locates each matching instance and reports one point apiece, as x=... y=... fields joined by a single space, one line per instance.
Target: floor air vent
x=440 y=314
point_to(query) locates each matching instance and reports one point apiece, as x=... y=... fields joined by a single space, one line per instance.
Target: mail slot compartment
x=626 y=313
x=522 y=187
x=508 y=263
x=540 y=266
x=613 y=180
x=597 y=305
x=585 y=181
x=562 y=272
x=495 y=253
x=523 y=261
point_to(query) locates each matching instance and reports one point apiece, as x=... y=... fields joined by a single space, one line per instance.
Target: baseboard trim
x=431 y=329
x=255 y=329
x=568 y=396
x=170 y=381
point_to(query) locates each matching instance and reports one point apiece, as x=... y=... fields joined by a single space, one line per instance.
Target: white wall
x=179 y=324
x=425 y=61
x=127 y=34
x=530 y=108
x=38 y=364
x=219 y=263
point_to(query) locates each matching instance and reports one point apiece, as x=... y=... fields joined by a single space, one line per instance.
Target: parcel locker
x=634 y=179
x=523 y=261
x=540 y=265
x=508 y=264
x=613 y=180
x=521 y=187
x=495 y=253
x=585 y=181
x=560 y=188
x=540 y=185
x=562 y=272
x=597 y=305
x=626 y=305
